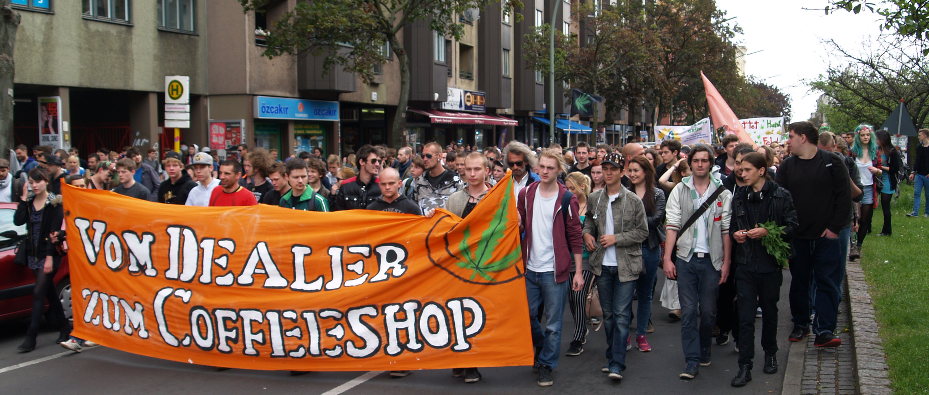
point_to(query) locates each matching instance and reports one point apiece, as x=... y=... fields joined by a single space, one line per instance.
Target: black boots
x=744 y=376
x=770 y=363
x=28 y=344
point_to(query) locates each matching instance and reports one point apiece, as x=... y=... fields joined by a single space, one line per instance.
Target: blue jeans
x=544 y=293
x=645 y=288
x=697 y=287
x=818 y=261
x=616 y=301
x=921 y=185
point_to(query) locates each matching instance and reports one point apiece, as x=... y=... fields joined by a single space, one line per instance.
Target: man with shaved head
x=391 y=199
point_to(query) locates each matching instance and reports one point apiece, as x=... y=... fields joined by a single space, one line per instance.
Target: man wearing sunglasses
x=358 y=192
x=519 y=159
x=437 y=183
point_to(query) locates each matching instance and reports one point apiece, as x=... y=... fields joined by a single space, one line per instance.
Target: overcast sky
x=785 y=45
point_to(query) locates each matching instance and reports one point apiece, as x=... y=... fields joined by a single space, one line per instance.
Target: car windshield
x=6 y=223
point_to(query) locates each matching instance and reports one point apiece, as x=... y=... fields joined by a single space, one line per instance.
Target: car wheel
x=64 y=294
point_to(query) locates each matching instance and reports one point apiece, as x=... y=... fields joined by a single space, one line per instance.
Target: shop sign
x=50 y=125
x=283 y=108
x=224 y=134
x=308 y=128
x=464 y=100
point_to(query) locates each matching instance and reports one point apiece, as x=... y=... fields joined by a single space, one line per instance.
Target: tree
x=758 y=99
x=867 y=87
x=352 y=33
x=9 y=22
x=907 y=18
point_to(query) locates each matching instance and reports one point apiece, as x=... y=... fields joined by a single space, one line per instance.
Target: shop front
x=461 y=120
x=313 y=123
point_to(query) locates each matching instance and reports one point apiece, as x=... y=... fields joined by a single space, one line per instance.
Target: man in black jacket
x=359 y=192
x=818 y=182
x=178 y=185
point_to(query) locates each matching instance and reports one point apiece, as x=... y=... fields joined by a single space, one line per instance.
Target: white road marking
x=352 y=383
x=35 y=361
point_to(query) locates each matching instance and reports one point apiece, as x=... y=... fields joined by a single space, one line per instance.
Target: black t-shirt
x=272 y=198
x=260 y=190
x=820 y=190
x=400 y=205
x=585 y=171
x=137 y=191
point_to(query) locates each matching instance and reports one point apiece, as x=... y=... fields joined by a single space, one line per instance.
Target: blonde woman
x=579 y=184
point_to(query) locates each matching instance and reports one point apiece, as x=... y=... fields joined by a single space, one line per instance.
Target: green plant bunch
x=774 y=243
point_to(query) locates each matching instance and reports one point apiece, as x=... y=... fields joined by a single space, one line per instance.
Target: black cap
x=172 y=154
x=613 y=159
x=53 y=160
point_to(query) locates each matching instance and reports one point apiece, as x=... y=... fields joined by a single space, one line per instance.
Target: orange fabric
x=363 y=282
x=722 y=115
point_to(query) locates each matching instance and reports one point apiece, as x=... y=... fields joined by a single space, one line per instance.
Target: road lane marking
x=352 y=383
x=35 y=361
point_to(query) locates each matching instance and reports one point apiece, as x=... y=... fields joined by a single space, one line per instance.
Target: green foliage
x=478 y=260
x=774 y=243
x=907 y=18
x=896 y=270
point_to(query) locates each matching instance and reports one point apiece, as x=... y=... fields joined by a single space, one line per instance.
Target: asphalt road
x=52 y=369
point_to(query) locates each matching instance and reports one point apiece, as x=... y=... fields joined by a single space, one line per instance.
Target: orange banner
x=264 y=287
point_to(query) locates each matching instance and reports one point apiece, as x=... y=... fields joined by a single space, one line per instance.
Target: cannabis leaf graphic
x=582 y=103
x=478 y=261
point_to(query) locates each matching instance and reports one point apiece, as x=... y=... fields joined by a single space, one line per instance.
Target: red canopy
x=463 y=118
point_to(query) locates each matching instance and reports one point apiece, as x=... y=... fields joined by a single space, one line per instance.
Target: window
x=106 y=10
x=506 y=14
x=385 y=52
x=566 y=28
x=177 y=15
x=506 y=62
x=33 y=5
x=538 y=77
x=538 y=18
x=438 y=47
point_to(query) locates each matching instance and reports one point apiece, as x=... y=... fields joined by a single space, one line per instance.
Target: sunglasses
x=374 y=161
x=517 y=164
x=428 y=156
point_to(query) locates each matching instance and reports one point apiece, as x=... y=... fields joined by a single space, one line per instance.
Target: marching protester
x=596 y=177
x=889 y=162
x=865 y=151
x=301 y=196
x=56 y=174
x=669 y=151
x=358 y=192
x=101 y=178
x=73 y=343
x=391 y=199
x=176 y=188
x=520 y=159
x=615 y=233
x=316 y=168
x=759 y=275
x=229 y=192
x=920 y=173
x=202 y=165
x=143 y=173
x=829 y=142
x=641 y=176
x=42 y=214
x=404 y=161
x=579 y=185
x=551 y=229
x=6 y=182
x=432 y=189
x=582 y=156
x=417 y=168
x=818 y=182
x=128 y=186
x=257 y=166
x=698 y=214
x=726 y=161
x=278 y=177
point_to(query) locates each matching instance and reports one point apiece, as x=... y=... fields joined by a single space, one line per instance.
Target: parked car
x=17 y=282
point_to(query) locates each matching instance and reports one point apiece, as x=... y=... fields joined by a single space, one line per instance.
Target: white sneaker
x=72 y=345
x=90 y=344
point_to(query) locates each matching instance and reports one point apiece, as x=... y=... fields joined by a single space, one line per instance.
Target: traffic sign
x=177 y=99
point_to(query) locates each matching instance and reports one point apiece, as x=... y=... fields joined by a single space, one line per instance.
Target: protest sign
x=264 y=287
x=765 y=131
x=698 y=133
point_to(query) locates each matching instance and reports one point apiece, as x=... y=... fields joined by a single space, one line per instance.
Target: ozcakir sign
x=264 y=287
x=267 y=107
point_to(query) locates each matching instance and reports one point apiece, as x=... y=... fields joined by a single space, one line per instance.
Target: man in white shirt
x=202 y=165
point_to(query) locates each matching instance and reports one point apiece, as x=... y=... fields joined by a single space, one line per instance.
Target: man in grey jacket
x=615 y=230
x=702 y=259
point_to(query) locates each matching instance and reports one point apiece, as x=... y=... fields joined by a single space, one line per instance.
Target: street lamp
x=556 y=9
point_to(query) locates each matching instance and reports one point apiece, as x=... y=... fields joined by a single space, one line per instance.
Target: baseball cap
x=202 y=158
x=613 y=159
x=53 y=160
x=172 y=154
x=205 y=149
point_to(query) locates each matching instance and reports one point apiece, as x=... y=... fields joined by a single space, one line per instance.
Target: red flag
x=721 y=114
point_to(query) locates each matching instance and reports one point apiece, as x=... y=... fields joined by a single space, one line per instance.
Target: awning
x=463 y=118
x=567 y=125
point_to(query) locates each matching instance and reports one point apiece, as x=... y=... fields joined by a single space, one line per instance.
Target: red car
x=17 y=282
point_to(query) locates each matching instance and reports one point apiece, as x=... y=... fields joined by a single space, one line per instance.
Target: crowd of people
x=598 y=218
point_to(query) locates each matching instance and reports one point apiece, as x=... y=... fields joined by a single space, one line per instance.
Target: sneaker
x=575 y=349
x=798 y=334
x=458 y=372
x=674 y=315
x=471 y=375
x=827 y=340
x=884 y=234
x=545 y=377
x=642 y=343
x=72 y=345
x=597 y=323
x=615 y=374
x=89 y=344
x=605 y=369
x=705 y=362
x=651 y=327
x=690 y=371
x=399 y=373
x=854 y=252
x=722 y=339
x=758 y=313
x=628 y=342
x=912 y=214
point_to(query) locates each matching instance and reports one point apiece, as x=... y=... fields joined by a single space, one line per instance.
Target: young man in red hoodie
x=552 y=242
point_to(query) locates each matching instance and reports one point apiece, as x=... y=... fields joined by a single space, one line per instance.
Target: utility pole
x=556 y=9
x=9 y=22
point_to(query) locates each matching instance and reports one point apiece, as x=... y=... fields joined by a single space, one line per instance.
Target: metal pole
x=556 y=8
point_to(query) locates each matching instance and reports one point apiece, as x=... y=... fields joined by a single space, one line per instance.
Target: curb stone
x=871 y=363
